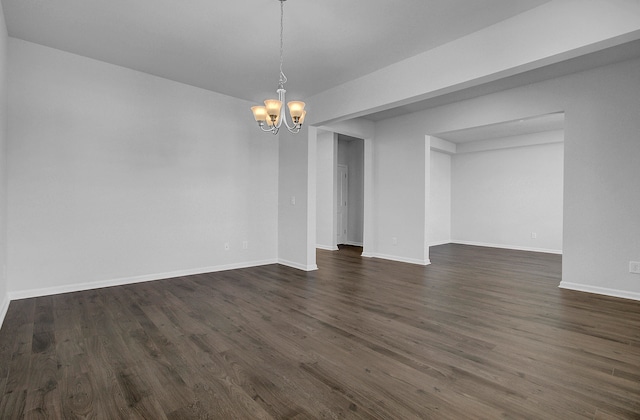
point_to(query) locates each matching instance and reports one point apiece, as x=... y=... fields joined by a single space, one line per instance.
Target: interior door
x=342 y=204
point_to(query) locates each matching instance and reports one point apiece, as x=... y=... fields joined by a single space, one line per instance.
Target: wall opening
x=499 y=185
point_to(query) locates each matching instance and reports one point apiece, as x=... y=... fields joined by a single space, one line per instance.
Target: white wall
x=297 y=199
x=399 y=196
x=116 y=176
x=439 y=220
x=325 y=188
x=4 y=298
x=602 y=167
x=500 y=197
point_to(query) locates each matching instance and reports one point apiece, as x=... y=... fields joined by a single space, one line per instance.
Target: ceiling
x=233 y=47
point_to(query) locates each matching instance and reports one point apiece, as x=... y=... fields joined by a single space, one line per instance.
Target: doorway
x=499 y=185
x=340 y=195
x=349 y=191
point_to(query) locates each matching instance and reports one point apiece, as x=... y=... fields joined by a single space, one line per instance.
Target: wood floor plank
x=43 y=400
x=480 y=333
x=17 y=354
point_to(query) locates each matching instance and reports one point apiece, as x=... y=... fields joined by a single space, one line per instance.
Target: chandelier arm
x=295 y=128
x=289 y=127
x=266 y=130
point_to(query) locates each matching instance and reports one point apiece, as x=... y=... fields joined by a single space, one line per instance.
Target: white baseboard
x=351 y=243
x=599 y=290
x=516 y=247
x=439 y=243
x=327 y=247
x=311 y=267
x=4 y=307
x=24 y=294
x=396 y=258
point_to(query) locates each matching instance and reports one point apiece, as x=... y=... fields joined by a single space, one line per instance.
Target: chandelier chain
x=283 y=78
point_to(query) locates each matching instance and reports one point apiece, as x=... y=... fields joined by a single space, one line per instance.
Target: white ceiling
x=233 y=47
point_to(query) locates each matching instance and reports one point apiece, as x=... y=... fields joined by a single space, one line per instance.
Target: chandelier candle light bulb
x=270 y=116
x=273 y=107
x=260 y=113
x=296 y=109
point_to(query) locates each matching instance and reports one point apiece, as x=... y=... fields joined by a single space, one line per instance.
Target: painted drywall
x=4 y=296
x=602 y=169
x=359 y=128
x=351 y=154
x=119 y=176
x=439 y=219
x=500 y=197
x=399 y=195
x=326 y=154
x=356 y=192
x=297 y=199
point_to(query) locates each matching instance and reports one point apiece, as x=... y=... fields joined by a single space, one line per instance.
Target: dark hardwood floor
x=480 y=333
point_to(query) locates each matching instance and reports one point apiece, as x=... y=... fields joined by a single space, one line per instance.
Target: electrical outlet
x=394 y=240
x=227 y=246
x=293 y=200
x=634 y=267
x=534 y=235
x=245 y=244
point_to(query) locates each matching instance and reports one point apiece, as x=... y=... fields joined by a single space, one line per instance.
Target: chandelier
x=270 y=116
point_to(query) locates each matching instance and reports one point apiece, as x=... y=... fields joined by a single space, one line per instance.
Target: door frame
x=345 y=195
